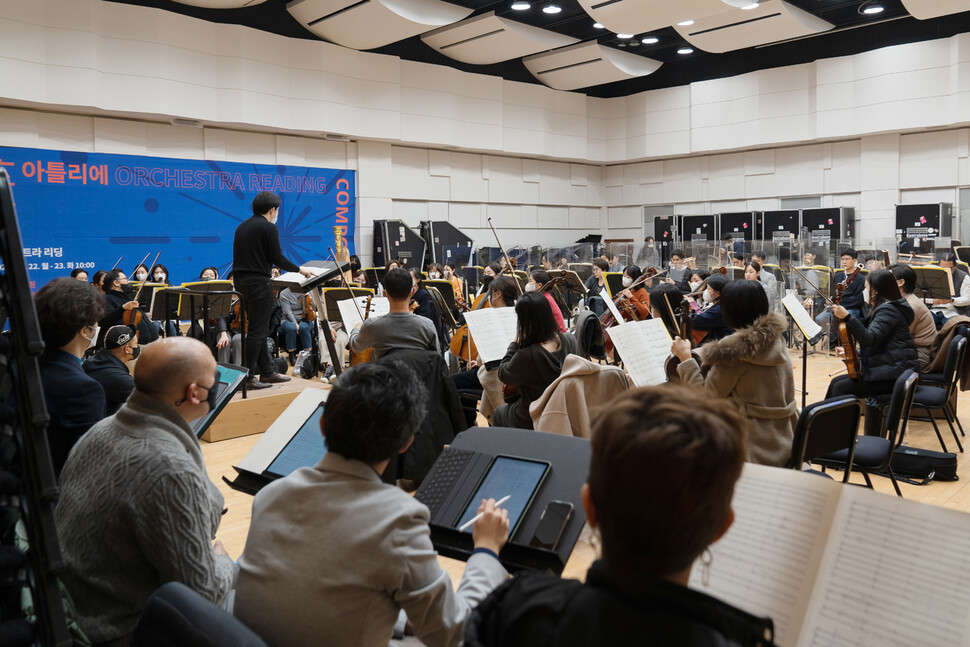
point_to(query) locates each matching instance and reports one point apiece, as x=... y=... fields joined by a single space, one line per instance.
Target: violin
x=685 y=331
x=851 y=357
x=309 y=314
x=363 y=356
x=237 y=315
x=134 y=316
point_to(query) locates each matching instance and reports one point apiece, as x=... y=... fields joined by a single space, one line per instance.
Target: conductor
x=255 y=250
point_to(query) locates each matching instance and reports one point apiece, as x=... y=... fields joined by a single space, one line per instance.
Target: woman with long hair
x=533 y=361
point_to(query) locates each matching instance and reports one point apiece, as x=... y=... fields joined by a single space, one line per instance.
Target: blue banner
x=85 y=210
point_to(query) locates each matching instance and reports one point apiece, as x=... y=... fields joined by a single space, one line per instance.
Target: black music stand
x=933 y=283
x=145 y=293
x=614 y=282
x=445 y=288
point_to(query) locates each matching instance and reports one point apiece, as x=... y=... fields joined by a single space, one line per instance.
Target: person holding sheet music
x=923 y=328
x=662 y=474
x=400 y=328
x=887 y=347
x=960 y=303
x=255 y=252
x=533 y=361
x=752 y=368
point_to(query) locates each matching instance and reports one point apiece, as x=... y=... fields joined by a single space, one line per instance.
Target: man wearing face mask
x=68 y=313
x=119 y=298
x=153 y=521
x=255 y=251
x=108 y=366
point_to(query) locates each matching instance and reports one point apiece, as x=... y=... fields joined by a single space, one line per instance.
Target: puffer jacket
x=886 y=342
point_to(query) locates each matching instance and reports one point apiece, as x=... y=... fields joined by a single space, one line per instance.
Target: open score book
x=842 y=565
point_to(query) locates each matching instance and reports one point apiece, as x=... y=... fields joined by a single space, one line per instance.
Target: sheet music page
x=492 y=330
x=315 y=271
x=612 y=308
x=895 y=572
x=767 y=562
x=644 y=347
x=293 y=279
x=350 y=315
x=804 y=322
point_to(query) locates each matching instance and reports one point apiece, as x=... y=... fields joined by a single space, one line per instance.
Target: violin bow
x=827 y=299
x=138 y=293
x=343 y=279
x=508 y=262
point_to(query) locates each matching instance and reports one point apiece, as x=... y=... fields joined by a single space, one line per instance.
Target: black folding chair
x=874 y=454
x=936 y=395
x=824 y=428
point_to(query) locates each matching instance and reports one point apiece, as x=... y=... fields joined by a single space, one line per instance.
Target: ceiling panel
x=487 y=39
x=634 y=16
x=926 y=9
x=221 y=4
x=587 y=64
x=769 y=22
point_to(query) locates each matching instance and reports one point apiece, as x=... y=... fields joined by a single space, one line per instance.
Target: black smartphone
x=551 y=524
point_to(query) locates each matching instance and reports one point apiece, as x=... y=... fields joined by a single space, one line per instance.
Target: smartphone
x=551 y=524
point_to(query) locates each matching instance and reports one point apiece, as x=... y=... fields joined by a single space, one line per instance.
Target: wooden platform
x=221 y=456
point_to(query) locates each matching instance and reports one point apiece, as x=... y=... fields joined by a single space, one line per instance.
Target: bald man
x=136 y=508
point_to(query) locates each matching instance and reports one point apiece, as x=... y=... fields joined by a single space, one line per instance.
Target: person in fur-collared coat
x=752 y=368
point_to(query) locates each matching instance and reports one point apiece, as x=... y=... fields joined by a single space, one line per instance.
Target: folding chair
x=935 y=396
x=874 y=454
x=825 y=428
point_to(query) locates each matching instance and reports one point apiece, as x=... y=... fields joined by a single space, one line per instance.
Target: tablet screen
x=518 y=478
x=305 y=448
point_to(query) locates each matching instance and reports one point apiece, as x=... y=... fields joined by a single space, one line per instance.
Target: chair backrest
x=955 y=356
x=899 y=405
x=824 y=428
x=176 y=615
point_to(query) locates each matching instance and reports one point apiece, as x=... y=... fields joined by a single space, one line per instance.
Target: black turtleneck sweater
x=256 y=249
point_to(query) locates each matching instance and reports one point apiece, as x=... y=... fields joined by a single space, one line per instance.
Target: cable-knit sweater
x=137 y=510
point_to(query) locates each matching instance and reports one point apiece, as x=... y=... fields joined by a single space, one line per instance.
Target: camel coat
x=752 y=368
x=564 y=407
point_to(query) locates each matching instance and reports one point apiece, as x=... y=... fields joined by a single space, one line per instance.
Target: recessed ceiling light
x=597 y=25
x=685 y=23
x=551 y=8
x=871 y=8
x=685 y=50
x=521 y=6
x=649 y=40
x=624 y=36
x=749 y=7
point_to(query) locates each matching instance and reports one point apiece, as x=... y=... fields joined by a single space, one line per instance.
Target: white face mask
x=694 y=285
x=627 y=281
x=865 y=295
x=91 y=338
x=160 y=277
x=141 y=276
x=447 y=274
x=434 y=275
x=275 y=217
x=530 y=287
x=707 y=297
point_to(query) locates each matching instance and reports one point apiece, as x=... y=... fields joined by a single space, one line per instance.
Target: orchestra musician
x=119 y=298
x=923 y=328
x=98 y=280
x=255 y=251
x=751 y=367
x=537 y=279
x=533 y=361
x=491 y=271
x=400 y=328
x=639 y=299
x=852 y=299
x=140 y=273
x=709 y=321
x=79 y=275
x=435 y=271
x=960 y=304
x=596 y=286
x=680 y=272
x=887 y=347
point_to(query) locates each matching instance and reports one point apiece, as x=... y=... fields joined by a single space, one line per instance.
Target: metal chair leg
x=892 y=477
x=929 y=414
x=865 y=475
x=956 y=418
x=949 y=421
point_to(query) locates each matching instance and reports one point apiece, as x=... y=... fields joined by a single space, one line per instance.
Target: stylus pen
x=465 y=526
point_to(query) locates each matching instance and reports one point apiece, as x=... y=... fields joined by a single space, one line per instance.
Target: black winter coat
x=534 y=610
x=886 y=342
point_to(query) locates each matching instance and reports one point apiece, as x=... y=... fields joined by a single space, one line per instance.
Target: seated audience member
x=334 y=554
x=664 y=464
x=79 y=274
x=709 y=322
x=750 y=367
x=108 y=367
x=400 y=328
x=533 y=361
x=297 y=332
x=68 y=312
x=537 y=279
x=923 y=328
x=119 y=298
x=153 y=520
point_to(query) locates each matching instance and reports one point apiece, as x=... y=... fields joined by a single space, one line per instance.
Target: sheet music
x=492 y=330
x=379 y=306
x=613 y=309
x=802 y=319
x=895 y=572
x=644 y=346
x=766 y=563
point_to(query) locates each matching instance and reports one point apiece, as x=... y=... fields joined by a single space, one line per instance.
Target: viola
x=685 y=331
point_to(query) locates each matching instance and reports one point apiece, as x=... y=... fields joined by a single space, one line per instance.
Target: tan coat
x=564 y=407
x=752 y=368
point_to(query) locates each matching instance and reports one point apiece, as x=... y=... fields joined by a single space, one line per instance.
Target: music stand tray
x=445 y=288
x=614 y=282
x=205 y=300
x=933 y=282
x=572 y=284
x=332 y=295
x=145 y=293
x=330 y=270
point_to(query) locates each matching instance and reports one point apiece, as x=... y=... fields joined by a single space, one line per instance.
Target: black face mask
x=486 y=280
x=135 y=352
x=213 y=393
x=128 y=289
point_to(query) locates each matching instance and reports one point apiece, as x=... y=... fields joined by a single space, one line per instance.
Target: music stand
x=374 y=275
x=933 y=282
x=962 y=252
x=583 y=270
x=573 y=284
x=444 y=311
x=445 y=288
x=614 y=282
x=735 y=273
x=473 y=277
x=145 y=293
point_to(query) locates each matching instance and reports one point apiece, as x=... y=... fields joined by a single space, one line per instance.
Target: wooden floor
x=221 y=456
